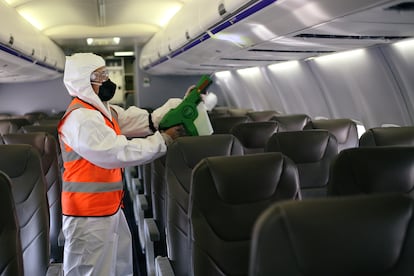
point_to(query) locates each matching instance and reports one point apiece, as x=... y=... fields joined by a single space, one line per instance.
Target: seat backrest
x=262 y=116
x=158 y=201
x=387 y=136
x=228 y=193
x=11 y=262
x=19 y=121
x=372 y=170
x=360 y=235
x=51 y=129
x=35 y=116
x=182 y=156
x=291 y=122
x=46 y=144
x=7 y=126
x=254 y=135
x=22 y=164
x=238 y=111
x=223 y=125
x=345 y=131
x=312 y=151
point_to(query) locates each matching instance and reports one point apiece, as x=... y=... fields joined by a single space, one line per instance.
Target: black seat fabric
x=19 y=121
x=372 y=170
x=312 y=151
x=223 y=125
x=254 y=135
x=262 y=116
x=291 y=122
x=360 y=235
x=11 y=262
x=387 y=136
x=227 y=196
x=22 y=164
x=344 y=130
x=47 y=147
x=182 y=156
x=158 y=201
x=51 y=129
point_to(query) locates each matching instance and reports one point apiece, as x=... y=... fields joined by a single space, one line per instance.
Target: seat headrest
x=343 y=129
x=291 y=122
x=254 y=134
x=222 y=125
x=262 y=116
x=359 y=235
x=303 y=146
x=373 y=170
x=15 y=158
x=387 y=136
x=233 y=188
x=191 y=149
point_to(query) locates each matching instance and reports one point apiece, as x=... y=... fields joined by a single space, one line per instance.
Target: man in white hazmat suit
x=93 y=136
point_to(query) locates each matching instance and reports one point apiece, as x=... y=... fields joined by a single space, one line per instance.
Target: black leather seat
x=51 y=129
x=11 y=262
x=223 y=125
x=262 y=116
x=47 y=147
x=372 y=170
x=345 y=131
x=228 y=193
x=158 y=200
x=360 y=235
x=387 y=136
x=254 y=135
x=22 y=163
x=312 y=151
x=291 y=122
x=19 y=121
x=182 y=156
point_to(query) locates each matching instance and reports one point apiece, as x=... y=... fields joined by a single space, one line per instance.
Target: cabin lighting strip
x=259 y=5
x=27 y=58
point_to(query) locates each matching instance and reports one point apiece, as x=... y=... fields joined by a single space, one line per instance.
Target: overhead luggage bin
x=26 y=54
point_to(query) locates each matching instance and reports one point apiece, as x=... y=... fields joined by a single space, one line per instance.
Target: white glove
x=210 y=100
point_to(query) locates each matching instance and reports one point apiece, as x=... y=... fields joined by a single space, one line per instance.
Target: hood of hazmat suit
x=78 y=70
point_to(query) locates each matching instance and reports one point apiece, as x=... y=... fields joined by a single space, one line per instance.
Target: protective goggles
x=99 y=76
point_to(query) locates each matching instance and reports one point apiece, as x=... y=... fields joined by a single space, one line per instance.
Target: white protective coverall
x=102 y=245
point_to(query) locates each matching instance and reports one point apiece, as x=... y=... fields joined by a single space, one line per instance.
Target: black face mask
x=107 y=90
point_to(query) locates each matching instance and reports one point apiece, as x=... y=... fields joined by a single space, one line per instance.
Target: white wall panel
x=374 y=86
x=400 y=58
x=298 y=89
x=361 y=86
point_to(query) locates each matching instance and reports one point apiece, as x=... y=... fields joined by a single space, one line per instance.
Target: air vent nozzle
x=353 y=37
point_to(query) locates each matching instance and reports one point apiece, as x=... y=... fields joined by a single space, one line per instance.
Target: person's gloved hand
x=189 y=90
x=210 y=100
x=172 y=133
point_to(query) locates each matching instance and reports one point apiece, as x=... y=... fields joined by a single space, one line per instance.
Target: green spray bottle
x=186 y=113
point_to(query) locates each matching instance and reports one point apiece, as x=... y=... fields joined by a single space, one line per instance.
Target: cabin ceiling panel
x=286 y=30
x=282 y=30
x=64 y=21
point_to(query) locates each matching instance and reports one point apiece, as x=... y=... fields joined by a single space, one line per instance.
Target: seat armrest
x=152 y=234
x=140 y=204
x=55 y=269
x=163 y=267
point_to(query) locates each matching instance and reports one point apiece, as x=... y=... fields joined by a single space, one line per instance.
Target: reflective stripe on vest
x=89 y=190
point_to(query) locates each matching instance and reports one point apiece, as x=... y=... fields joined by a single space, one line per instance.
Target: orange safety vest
x=89 y=190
